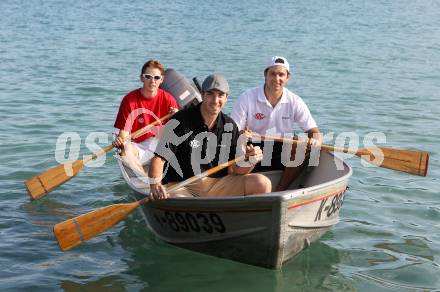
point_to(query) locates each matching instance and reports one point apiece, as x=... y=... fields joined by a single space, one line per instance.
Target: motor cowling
x=185 y=93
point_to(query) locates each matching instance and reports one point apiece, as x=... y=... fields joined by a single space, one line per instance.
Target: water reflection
x=315 y=269
x=163 y=267
x=417 y=247
x=107 y=284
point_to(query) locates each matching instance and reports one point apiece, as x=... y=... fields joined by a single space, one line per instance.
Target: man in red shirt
x=138 y=109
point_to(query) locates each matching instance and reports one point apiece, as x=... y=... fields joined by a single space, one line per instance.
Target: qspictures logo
x=69 y=144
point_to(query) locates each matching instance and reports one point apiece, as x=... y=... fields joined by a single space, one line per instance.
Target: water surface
x=361 y=66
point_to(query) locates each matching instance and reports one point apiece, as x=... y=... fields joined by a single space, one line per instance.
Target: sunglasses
x=151 y=77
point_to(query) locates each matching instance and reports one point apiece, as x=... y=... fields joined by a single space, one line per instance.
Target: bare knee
x=257 y=184
x=130 y=157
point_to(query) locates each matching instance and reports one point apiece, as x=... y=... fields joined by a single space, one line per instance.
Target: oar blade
x=43 y=183
x=409 y=161
x=73 y=232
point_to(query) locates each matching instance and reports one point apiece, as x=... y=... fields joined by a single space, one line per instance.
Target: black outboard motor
x=184 y=92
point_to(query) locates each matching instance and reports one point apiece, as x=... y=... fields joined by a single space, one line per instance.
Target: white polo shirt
x=253 y=110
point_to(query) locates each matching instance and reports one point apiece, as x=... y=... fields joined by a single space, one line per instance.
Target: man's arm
x=155 y=173
x=253 y=155
x=120 y=139
x=315 y=137
x=239 y=112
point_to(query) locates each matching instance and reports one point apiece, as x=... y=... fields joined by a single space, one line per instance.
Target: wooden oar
x=410 y=161
x=73 y=232
x=45 y=182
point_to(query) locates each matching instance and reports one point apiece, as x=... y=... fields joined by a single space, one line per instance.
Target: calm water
x=361 y=66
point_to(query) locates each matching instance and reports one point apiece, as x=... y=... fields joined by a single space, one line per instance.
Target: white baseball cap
x=277 y=61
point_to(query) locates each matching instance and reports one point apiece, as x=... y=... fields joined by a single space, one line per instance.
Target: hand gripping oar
x=410 y=161
x=73 y=232
x=45 y=182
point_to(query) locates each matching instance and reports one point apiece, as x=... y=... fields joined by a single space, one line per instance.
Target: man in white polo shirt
x=272 y=109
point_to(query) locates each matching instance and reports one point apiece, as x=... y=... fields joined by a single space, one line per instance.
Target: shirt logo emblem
x=194 y=144
x=141 y=120
x=259 y=116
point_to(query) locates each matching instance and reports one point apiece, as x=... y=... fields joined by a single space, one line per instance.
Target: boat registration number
x=330 y=207
x=190 y=222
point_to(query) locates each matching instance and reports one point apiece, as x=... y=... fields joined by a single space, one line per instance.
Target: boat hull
x=262 y=230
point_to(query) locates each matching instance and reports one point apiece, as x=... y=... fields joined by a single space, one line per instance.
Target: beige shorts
x=230 y=185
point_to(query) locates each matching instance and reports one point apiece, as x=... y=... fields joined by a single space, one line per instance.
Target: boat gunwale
x=296 y=196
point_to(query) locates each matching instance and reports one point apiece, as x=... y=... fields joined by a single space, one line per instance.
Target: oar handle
x=98 y=153
x=341 y=149
x=323 y=147
x=143 y=130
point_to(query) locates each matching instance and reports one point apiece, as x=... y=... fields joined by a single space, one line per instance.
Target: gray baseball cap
x=215 y=81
